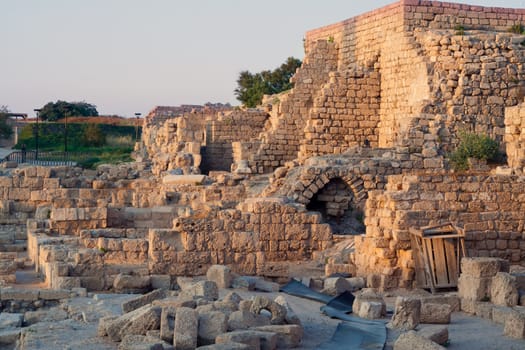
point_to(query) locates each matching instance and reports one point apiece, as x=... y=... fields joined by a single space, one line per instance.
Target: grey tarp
x=354 y=332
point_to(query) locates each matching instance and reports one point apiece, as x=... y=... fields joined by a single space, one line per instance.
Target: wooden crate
x=437 y=252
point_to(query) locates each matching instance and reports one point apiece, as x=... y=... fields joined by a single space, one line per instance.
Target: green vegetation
x=88 y=144
x=473 y=146
x=5 y=130
x=517 y=29
x=251 y=87
x=460 y=30
x=54 y=111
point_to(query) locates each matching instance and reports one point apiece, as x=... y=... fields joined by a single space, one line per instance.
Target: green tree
x=251 y=87
x=53 y=111
x=5 y=129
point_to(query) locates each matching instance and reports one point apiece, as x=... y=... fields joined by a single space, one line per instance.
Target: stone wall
x=515 y=136
x=488 y=207
x=236 y=126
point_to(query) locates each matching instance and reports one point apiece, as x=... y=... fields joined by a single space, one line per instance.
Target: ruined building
x=357 y=146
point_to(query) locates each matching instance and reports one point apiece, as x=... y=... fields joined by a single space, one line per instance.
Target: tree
x=5 y=129
x=53 y=111
x=251 y=87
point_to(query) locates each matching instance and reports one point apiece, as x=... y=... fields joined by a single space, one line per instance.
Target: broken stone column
x=407 y=314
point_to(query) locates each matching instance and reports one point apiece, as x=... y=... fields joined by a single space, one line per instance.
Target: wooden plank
x=417 y=255
x=440 y=262
x=443 y=236
x=451 y=252
x=429 y=261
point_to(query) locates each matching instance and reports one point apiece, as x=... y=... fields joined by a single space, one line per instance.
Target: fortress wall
x=488 y=207
x=515 y=136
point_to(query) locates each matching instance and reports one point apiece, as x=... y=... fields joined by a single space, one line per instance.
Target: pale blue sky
x=127 y=56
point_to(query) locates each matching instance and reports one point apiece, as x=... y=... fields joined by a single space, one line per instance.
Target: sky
x=127 y=56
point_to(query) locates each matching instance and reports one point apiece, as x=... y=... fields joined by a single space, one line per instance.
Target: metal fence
x=47 y=158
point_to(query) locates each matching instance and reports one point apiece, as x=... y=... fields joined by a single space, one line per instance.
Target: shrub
x=517 y=29
x=93 y=136
x=460 y=30
x=473 y=146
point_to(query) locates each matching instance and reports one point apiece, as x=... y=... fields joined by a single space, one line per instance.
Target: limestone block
x=59 y=282
x=244 y=319
x=504 y=291
x=54 y=294
x=370 y=295
x=356 y=283
x=221 y=275
x=137 y=322
x=226 y=307
x=438 y=334
x=161 y=282
x=335 y=285
x=435 y=313
x=19 y=294
x=288 y=336
x=206 y=289
x=500 y=314
x=210 y=326
x=142 y=300
x=131 y=283
x=407 y=313
x=515 y=324
x=291 y=317
x=233 y=297
x=52 y=315
x=262 y=303
x=142 y=342
x=483 y=309
x=370 y=310
x=411 y=341
x=167 y=323
x=480 y=267
x=186 y=329
x=10 y=320
x=255 y=339
x=103 y=324
x=226 y=346
x=474 y=288
x=183 y=179
x=9 y=337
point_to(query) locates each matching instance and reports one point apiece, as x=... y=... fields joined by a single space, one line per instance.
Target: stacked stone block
x=515 y=137
x=487 y=207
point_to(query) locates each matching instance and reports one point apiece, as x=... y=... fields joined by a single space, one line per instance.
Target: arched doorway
x=337 y=204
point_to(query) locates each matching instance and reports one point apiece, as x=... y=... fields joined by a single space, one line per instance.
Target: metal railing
x=46 y=158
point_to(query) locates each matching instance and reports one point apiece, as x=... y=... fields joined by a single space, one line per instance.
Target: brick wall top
x=424 y=7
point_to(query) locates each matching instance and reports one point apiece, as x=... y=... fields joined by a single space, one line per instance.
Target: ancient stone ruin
x=325 y=178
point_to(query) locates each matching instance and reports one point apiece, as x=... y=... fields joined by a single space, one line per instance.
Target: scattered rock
x=221 y=275
x=515 y=324
x=412 y=341
x=142 y=300
x=210 y=326
x=406 y=314
x=137 y=322
x=205 y=289
x=504 y=290
x=435 y=313
x=278 y=311
x=438 y=334
x=185 y=329
x=288 y=336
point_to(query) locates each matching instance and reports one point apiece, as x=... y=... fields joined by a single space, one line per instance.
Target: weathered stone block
x=474 y=288
x=19 y=294
x=435 y=313
x=411 y=341
x=336 y=285
x=226 y=346
x=370 y=310
x=288 y=336
x=210 y=326
x=407 y=313
x=500 y=314
x=480 y=267
x=515 y=324
x=438 y=334
x=206 y=289
x=10 y=320
x=186 y=329
x=504 y=291
x=367 y=295
x=131 y=283
x=221 y=275
x=255 y=339
x=137 y=322
x=142 y=300
x=291 y=317
x=262 y=303
x=243 y=319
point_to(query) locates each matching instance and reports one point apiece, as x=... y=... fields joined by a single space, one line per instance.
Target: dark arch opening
x=337 y=204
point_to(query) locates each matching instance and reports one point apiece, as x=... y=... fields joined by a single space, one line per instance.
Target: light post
x=37 y=112
x=137 y=115
x=65 y=138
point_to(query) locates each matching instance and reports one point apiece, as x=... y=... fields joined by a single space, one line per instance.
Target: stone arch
x=340 y=199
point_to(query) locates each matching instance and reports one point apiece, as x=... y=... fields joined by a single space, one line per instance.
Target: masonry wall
x=515 y=136
x=236 y=126
x=490 y=208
